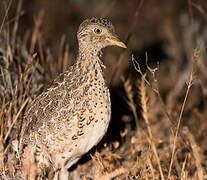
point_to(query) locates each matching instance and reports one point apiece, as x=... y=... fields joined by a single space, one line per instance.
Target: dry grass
x=130 y=95
x=145 y=115
x=169 y=141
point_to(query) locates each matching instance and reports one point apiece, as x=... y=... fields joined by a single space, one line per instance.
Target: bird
x=72 y=115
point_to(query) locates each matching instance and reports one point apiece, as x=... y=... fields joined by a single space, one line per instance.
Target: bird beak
x=114 y=40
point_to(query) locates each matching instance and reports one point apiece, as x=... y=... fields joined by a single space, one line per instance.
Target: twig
x=134 y=21
x=200 y=9
x=128 y=36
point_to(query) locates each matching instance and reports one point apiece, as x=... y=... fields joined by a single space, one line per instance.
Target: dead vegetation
x=158 y=128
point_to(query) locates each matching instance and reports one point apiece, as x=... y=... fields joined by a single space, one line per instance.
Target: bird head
x=97 y=34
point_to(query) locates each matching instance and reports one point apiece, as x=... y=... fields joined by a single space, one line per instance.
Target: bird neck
x=89 y=59
x=88 y=50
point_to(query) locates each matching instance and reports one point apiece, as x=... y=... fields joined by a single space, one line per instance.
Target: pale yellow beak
x=115 y=41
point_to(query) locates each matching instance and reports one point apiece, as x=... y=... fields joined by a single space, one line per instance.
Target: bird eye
x=97 y=31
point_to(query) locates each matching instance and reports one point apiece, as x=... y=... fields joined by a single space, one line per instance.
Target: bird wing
x=46 y=108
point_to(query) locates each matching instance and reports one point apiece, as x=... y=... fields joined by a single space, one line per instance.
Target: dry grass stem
x=190 y=81
x=154 y=89
x=144 y=100
x=196 y=154
x=38 y=22
x=130 y=101
x=16 y=24
x=66 y=58
x=42 y=58
x=6 y=15
x=183 y=173
x=112 y=175
x=1 y=118
x=15 y=119
x=151 y=168
x=60 y=53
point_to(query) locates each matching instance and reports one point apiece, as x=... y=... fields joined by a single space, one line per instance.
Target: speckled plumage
x=73 y=114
